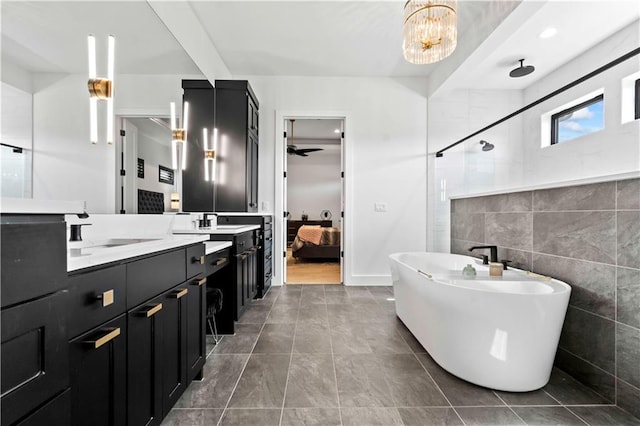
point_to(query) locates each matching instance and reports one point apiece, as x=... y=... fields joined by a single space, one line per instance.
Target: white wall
x=519 y=160
x=385 y=143
x=155 y=153
x=66 y=166
x=313 y=183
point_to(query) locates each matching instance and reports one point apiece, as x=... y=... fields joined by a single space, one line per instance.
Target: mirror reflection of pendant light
x=179 y=136
x=101 y=88
x=430 y=31
x=210 y=154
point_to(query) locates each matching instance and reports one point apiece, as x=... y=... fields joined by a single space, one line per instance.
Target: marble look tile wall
x=589 y=237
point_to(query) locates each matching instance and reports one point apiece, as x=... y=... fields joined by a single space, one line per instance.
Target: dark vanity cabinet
x=146 y=338
x=198 y=194
x=237 y=120
x=264 y=254
x=34 y=351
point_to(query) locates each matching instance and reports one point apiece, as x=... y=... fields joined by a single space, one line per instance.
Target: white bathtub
x=497 y=332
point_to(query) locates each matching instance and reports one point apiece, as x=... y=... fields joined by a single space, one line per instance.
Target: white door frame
x=279 y=240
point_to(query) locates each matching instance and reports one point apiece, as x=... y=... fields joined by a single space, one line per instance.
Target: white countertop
x=219 y=230
x=214 y=246
x=31 y=206
x=245 y=214
x=91 y=255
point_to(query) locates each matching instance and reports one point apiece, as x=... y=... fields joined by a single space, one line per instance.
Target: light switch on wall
x=380 y=207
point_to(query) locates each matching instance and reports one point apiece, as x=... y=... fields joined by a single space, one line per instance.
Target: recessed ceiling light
x=548 y=33
x=336 y=131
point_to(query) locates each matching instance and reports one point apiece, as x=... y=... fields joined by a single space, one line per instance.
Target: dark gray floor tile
x=333 y=287
x=341 y=314
x=538 y=397
x=262 y=382
x=337 y=298
x=247 y=417
x=361 y=382
x=283 y=314
x=316 y=314
x=221 y=373
x=432 y=416
x=311 y=417
x=312 y=338
x=275 y=339
x=385 y=339
x=311 y=382
x=385 y=289
x=628 y=354
x=593 y=377
x=313 y=297
x=240 y=343
x=370 y=416
x=547 y=416
x=409 y=384
x=192 y=417
x=605 y=416
x=569 y=391
x=458 y=391
x=488 y=416
x=255 y=314
x=628 y=398
x=409 y=338
x=347 y=339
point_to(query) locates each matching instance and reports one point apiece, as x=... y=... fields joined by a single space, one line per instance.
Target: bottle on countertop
x=469 y=271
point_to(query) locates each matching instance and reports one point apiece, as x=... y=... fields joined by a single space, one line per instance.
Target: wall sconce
x=179 y=136
x=210 y=155
x=175 y=201
x=101 y=88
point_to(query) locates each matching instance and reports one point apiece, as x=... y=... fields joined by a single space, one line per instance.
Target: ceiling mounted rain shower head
x=486 y=146
x=522 y=70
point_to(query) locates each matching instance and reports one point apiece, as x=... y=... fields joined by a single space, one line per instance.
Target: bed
x=316 y=242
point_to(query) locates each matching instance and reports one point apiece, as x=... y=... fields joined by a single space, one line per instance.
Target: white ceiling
x=312 y=38
x=152 y=130
x=309 y=131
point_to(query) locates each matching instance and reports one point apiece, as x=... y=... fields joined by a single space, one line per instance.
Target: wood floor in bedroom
x=311 y=271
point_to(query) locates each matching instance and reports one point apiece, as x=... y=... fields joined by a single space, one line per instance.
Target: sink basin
x=110 y=242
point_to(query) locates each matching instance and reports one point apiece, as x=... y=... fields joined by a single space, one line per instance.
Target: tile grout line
x=333 y=361
x=509 y=407
x=576 y=414
x=615 y=304
x=226 y=407
x=293 y=343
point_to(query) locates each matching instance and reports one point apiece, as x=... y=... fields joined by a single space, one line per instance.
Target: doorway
x=313 y=200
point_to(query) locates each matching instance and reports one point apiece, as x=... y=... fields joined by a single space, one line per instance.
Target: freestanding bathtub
x=497 y=332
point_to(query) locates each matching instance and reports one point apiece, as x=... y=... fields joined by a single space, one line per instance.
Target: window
x=579 y=120
x=165 y=175
x=637 y=98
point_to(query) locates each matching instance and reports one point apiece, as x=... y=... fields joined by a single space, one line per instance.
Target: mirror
x=44 y=53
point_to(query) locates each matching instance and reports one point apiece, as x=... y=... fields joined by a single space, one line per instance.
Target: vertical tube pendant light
x=179 y=137
x=210 y=155
x=101 y=88
x=429 y=31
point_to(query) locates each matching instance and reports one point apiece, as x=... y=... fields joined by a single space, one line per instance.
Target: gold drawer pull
x=112 y=334
x=202 y=260
x=179 y=293
x=107 y=298
x=151 y=311
x=200 y=282
x=221 y=261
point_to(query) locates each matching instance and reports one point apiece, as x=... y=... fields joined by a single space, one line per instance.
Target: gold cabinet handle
x=200 y=282
x=179 y=293
x=202 y=260
x=221 y=261
x=112 y=334
x=151 y=311
x=107 y=297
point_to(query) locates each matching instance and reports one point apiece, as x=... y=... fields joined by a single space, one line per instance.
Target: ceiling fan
x=302 y=152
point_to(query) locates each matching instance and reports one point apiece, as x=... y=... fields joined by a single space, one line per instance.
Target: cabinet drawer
x=35 y=362
x=244 y=242
x=96 y=297
x=55 y=412
x=216 y=261
x=147 y=278
x=194 y=260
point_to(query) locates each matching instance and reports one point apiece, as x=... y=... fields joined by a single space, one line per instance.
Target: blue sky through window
x=581 y=122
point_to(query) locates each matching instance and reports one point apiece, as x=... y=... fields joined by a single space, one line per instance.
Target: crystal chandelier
x=429 y=31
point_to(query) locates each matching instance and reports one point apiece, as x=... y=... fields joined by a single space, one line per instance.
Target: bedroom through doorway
x=314 y=200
